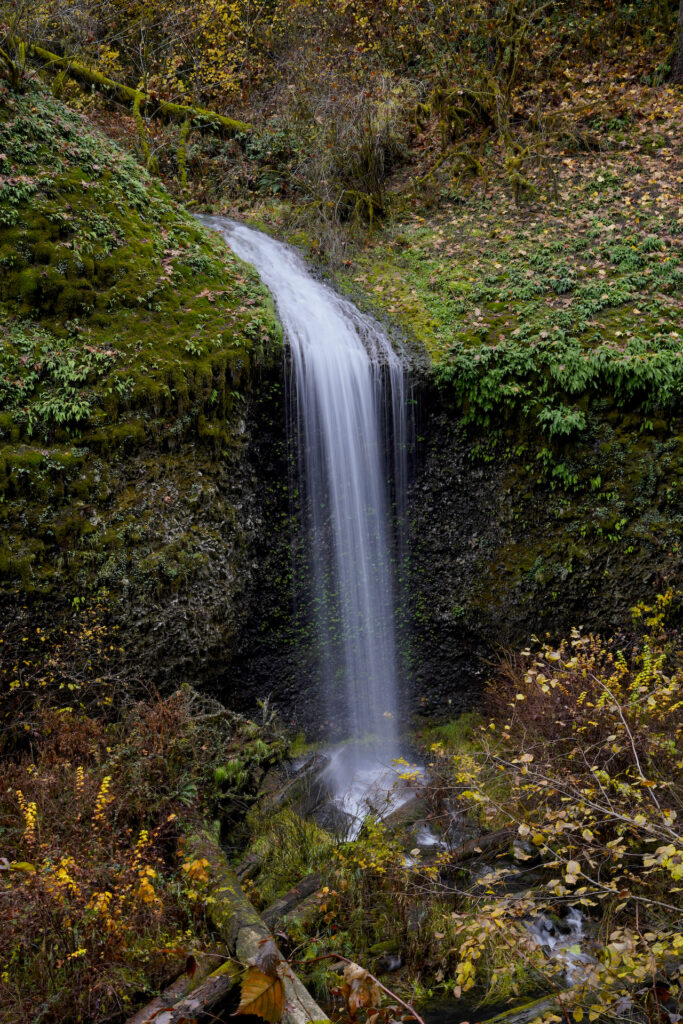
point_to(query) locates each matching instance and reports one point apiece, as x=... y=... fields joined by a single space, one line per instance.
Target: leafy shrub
x=543 y=376
x=100 y=780
x=582 y=762
x=358 y=140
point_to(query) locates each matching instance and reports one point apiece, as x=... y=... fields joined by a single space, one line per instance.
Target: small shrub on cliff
x=358 y=139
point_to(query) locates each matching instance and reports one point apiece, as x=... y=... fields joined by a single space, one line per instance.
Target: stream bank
x=521 y=881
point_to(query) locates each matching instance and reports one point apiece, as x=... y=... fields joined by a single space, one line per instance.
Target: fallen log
x=238 y=924
x=202 y=1003
x=296 y=895
x=528 y=1012
x=305 y=789
x=489 y=843
x=184 y=984
x=302 y=916
x=135 y=97
x=249 y=867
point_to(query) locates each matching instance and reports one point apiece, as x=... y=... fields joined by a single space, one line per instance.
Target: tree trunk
x=677 y=63
x=141 y=100
x=238 y=924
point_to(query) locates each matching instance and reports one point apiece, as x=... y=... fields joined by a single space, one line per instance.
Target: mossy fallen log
x=185 y=984
x=238 y=924
x=250 y=866
x=143 y=101
x=527 y=1012
x=202 y=1003
x=292 y=899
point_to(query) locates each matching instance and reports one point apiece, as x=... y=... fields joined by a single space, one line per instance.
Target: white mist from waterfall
x=347 y=381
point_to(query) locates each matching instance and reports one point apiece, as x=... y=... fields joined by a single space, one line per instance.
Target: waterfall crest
x=348 y=395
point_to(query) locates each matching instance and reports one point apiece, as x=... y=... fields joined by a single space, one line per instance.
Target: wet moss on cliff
x=501 y=549
x=132 y=340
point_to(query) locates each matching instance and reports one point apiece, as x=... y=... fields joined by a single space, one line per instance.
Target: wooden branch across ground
x=489 y=843
x=296 y=895
x=157 y=108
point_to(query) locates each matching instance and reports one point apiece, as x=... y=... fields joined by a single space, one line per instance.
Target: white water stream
x=350 y=423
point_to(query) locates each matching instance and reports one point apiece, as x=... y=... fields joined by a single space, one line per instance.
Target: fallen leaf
x=262 y=996
x=359 y=989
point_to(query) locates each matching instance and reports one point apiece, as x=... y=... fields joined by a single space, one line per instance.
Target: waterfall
x=350 y=424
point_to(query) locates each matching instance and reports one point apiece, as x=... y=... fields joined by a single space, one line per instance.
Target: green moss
x=126 y=331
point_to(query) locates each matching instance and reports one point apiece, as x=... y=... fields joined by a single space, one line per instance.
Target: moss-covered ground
x=130 y=341
x=588 y=267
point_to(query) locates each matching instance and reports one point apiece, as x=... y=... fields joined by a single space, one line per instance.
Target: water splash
x=562 y=939
x=349 y=397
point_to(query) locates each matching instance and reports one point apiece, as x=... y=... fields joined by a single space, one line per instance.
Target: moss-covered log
x=201 y=1004
x=535 y=1010
x=186 y=984
x=238 y=924
x=143 y=101
x=292 y=899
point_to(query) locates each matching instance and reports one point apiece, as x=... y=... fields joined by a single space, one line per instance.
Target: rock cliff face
x=498 y=555
x=271 y=657
x=144 y=458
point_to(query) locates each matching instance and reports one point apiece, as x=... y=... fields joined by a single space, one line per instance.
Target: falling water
x=348 y=382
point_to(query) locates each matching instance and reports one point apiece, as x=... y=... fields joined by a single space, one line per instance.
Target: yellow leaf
x=262 y=996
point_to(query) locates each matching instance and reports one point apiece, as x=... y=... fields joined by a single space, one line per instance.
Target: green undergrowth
x=576 y=293
x=457 y=735
x=127 y=329
x=589 y=301
x=289 y=847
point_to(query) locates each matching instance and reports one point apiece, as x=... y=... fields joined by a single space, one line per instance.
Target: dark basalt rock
x=499 y=554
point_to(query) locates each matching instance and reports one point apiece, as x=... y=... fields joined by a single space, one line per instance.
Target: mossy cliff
x=549 y=478
x=132 y=341
x=142 y=436
x=500 y=550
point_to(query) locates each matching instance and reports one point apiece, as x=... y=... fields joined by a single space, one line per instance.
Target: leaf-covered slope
x=130 y=338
